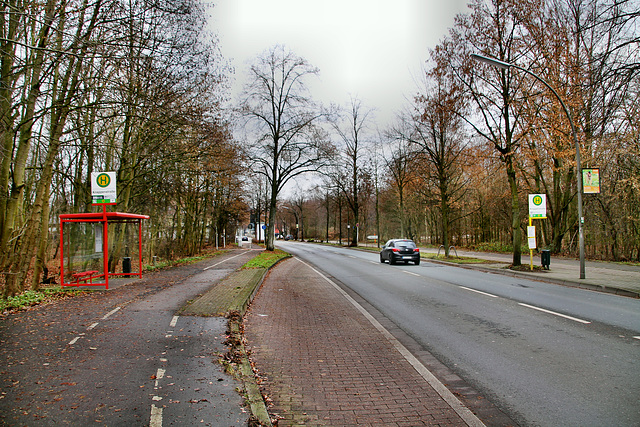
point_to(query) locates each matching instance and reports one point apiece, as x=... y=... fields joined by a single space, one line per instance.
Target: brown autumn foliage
x=517 y=138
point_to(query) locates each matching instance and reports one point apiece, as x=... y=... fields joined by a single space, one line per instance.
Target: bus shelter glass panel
x=124 y=248
x=83 y=252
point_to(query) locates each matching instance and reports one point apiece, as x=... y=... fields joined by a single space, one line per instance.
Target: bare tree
x=283 y=123
x=398 y=164
x=435 y=127
x=349 y=173
x=494 y=30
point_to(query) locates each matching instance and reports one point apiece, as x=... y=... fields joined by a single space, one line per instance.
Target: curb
x=561 y=282
x=260 y=414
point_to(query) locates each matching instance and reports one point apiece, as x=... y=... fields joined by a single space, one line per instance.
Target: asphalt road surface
x=546 y=355
x=122 y=357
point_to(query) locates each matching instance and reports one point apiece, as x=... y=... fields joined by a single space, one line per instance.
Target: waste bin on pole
x=545 y=258
x=126 y=265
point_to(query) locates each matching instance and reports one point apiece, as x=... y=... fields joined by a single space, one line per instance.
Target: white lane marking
x=480 y=292
x=159 y=375
x=464 y=413
x=109 y=314
x=174 y=321
x=73 y=341
x=575 y=319
x=224 y=260
x=156 y=416
x=638 y=338
x=93 y=325
x=410 y=272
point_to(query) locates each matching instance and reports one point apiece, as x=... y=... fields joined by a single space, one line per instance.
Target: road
x=544 y=354
x=122 y=357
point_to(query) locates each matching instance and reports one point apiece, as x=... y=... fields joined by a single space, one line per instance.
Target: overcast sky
x=370 y=49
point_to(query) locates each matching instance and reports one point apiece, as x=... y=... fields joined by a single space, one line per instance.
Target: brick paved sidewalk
x=324 y=362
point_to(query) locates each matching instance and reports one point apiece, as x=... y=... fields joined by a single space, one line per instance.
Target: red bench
x=83 y=276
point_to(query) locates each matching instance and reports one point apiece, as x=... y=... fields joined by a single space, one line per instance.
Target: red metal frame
x=105 y=218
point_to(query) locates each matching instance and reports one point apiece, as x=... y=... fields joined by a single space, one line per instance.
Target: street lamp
x=506 y=66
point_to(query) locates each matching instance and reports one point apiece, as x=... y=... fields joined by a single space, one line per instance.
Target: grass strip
x=265 y=259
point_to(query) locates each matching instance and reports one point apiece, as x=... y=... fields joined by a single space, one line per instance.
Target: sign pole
x=105 y=248
x=530 y=248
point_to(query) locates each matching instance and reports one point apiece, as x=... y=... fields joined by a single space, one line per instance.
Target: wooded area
x=104 y=85
x=140 y=88
x=459 y=164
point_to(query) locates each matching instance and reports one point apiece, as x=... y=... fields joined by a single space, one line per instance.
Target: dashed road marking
x=112 y=312
x=575 y=319
x=410 y=272
x=479 y=292
x=156 y=411
x=93 y=325
x=73 y=341
x=156 y=416
x=159 y=375
x=174 y=321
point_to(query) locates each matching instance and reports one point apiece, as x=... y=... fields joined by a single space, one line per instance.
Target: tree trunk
x=444 y=212
x=270 y=230
x=515 y=213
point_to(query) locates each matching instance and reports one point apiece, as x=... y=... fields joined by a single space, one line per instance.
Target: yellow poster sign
x=591 y=181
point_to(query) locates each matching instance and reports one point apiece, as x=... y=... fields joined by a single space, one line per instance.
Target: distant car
x=245 y=239
x=400 y=250
x=289 y=237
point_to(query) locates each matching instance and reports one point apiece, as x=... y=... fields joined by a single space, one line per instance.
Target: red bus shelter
x=88 y=269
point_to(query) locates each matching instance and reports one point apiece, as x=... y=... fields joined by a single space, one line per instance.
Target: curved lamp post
x=506 y=66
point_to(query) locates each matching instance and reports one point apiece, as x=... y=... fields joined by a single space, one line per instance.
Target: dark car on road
x=400 y=250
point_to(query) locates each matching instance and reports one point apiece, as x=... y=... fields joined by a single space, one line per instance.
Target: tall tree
x=398 y=162
x=494 y=30
x=436 y=130
x=282 y=118
x=348 y=171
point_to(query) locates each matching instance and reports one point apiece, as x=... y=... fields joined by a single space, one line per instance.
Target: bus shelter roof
x=99 y=216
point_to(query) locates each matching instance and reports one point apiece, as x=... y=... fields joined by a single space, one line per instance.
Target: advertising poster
x=591 y=181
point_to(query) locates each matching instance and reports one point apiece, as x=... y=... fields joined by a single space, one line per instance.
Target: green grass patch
x=498 y=247
x=30 y=298
x=266 y=259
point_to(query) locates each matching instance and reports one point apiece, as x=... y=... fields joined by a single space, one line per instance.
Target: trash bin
x=126 y=265
x=545 y=258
